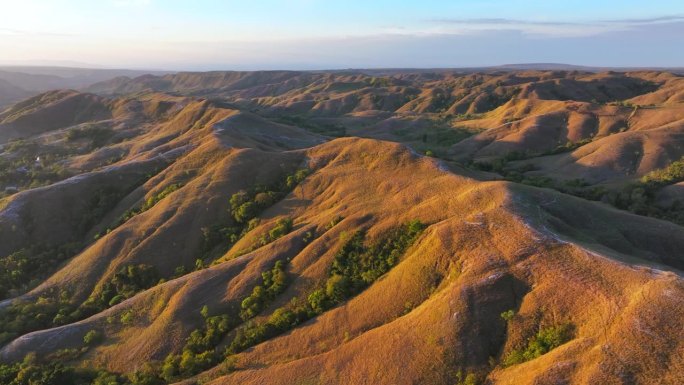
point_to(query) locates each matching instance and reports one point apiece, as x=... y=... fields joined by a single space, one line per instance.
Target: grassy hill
x=334 y=228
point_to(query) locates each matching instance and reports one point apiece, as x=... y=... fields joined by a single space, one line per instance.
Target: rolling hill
x=281 y=227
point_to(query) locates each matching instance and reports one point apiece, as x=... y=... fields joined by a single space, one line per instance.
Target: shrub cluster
x=146 y=205
x=282 y=227
x=128 y=281
x=51 y=309
x=638 y=197
x=98 y=136
x=24 y=268
x=543 y=342
x=57 y=308
x=31 y=371
x=199 y=352
x=20 y=167
x=354 y=268
x=274 y=282
x=245 y=206
x=93 y=337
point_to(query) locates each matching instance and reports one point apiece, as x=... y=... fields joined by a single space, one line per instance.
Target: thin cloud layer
x=209 y=34
x=551 y=27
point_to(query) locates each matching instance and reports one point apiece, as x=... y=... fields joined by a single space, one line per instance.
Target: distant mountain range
x=18 y=82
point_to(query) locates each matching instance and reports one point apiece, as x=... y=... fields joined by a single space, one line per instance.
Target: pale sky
x=317 y=34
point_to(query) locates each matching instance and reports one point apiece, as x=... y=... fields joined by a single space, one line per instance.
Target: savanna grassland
x=361 y=227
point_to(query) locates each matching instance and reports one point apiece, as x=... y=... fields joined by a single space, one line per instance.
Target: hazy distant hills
x=497 y=226
x=21 y=81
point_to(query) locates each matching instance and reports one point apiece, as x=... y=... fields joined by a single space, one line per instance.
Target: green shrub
x=334 y=222
x=337 y=288
x=362 y=265
x=567 y=147
x=99 y=136
x=282 y=227
x=126 y=317
x=23 y=269
x=466 y=379
x=318 y=301
x=283 y=319
x=145 y=376
x=296 y=178
x=508 y=315
x=274 y=282
x=105 y=378
x=93 y=337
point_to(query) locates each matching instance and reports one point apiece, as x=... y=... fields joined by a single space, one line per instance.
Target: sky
x=318 y=34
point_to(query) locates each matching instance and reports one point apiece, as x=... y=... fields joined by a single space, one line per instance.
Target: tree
x=251 y=305
x=282 y=319
x=245 y=212
x=282 y=227
x=237 y=199
x=318 y=301
x=337 y=288
x=144 y=376
x=263 y=199
x=105 y=378
x=169 y=369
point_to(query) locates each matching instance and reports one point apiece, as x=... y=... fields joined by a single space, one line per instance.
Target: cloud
x=668 y=18
x=131 y=3
x=501 y=21
x=10 y=31
x=552 y=28
x=20 y=32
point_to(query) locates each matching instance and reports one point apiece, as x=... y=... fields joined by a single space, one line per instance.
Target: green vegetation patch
x=543 y=342
x=199 y=352
x=638 y=197
x=334 y=130
x=673 y=173
x=355 y=267
x=126 y=282
x=146 y=205
x=245 y=207
x=27 y=164
x=49 y=310
x=98 y=136
x=23 y=269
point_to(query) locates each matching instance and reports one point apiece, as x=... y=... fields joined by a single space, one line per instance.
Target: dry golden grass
x=490 y=246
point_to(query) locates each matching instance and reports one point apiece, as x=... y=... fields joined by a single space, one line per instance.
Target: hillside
x=499 y=227
x=10 y=93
